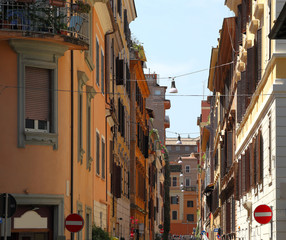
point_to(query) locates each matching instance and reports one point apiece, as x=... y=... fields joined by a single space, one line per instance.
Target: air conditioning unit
x=37 y=126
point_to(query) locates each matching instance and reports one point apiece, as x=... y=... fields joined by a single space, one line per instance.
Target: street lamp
x=173 y=88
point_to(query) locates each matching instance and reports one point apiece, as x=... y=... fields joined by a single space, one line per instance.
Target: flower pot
x=58 y=3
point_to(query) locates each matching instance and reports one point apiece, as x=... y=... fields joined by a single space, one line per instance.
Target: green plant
x=83 y=7
x=99 y=234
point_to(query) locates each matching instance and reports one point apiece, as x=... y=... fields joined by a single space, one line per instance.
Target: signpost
x=263 y=214
x=8 y=207
x=74 y=223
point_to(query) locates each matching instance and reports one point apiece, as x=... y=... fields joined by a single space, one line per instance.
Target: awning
x=209 y=188
x=279 y=29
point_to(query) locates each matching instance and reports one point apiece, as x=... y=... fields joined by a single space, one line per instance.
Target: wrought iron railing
x=42 y=17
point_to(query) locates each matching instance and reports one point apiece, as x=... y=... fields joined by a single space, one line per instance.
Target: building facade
x=183 y=189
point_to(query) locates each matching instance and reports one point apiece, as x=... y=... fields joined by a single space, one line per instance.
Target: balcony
x=190 y=188
x=45 y=20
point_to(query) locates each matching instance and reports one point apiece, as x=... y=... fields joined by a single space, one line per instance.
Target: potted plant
x=81 y=7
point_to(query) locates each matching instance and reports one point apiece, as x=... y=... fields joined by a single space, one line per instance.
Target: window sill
x=41 y=138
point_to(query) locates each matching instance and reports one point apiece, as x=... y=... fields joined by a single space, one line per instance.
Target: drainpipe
x=72 y=132
x=107 y=116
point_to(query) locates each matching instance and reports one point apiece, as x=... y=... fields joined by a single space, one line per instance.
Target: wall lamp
x=173 y=88
x=180 y=160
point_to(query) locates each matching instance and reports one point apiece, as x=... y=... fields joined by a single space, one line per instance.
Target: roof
x=185 y=141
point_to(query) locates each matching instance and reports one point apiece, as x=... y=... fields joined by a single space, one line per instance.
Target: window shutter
x=240 y=177
x=102 y=72
x=250 y=72
x=256 y=153
x=251 y=156
x=222 y=170
x=260 y=157
x=259 y=54
x=243 y=167
x=236 y=38
x=119 y=71
x=239 y=23
x=237 y=181
x=118 y=180
x=128 y=86
x=244 y=15
x=97 y=62
x=239 y=101
x=247 y=170
x=37 y=93
x=229 y=149
x=244 y=92
x=146 y=144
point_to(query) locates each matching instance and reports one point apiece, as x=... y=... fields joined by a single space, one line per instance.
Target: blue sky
x=178 y=36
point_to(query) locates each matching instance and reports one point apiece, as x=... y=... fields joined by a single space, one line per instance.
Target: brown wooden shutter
x=229 y=149
x=119 y=71
x=237 y=182
x=222 y=170
x=243 y=15
x=251 y=155
x=250 y=72
x=239 y=101
x=256 y=159
x=239 y=23
x=243 y=167
x=244 y=91
x=247 y=170
x=117 y=181
x=259 y=54
x=37 y=93
x=261 y=147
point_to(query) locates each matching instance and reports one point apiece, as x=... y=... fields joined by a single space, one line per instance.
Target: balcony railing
x=190 y=188
x=31 y=18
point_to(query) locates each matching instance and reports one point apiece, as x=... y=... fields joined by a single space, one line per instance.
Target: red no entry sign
x=263 y=214
x=161 y=230
x=74 y=222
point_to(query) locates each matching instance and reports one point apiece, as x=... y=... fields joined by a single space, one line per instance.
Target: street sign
x=216 y=230
x=203 y=232
x=263 y=214
x=74 y=222
x=12 y=205
x=161 y=230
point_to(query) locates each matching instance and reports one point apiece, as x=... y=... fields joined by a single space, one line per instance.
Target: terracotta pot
x=58 y=3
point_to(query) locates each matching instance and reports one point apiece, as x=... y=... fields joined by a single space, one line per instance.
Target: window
x=178 y=148
x=174 y=199
x=103 y=159
x=187 y=169
x=187 y=148
x=97 y=153
x=79 y=212
x=97 y=63
x=190 y=203
x=90 y=94
x=188 y=182
x=174 y=181
x=102 y=72
x=174 y=215
x=82 y=79
x=190 y=217
x=36 y=64
x=37 y=99
x=88 y=223
x=119 y=7
x=157 y=92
